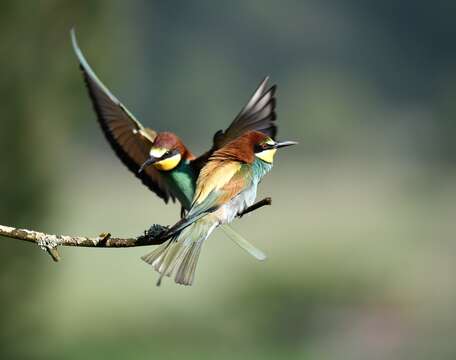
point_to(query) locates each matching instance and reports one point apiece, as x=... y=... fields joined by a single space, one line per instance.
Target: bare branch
x=264 y=202
x=50 y=242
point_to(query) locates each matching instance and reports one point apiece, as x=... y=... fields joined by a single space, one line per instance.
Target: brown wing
x=258 y=114
x=129 y=139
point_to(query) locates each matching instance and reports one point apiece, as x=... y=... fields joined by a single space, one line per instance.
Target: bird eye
x=258 y=148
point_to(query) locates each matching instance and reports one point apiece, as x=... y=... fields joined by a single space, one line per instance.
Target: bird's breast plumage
x=182 y=182
x=227 y=212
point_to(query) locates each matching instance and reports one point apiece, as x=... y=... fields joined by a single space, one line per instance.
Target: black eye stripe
x=262 y=147
x=169 y=154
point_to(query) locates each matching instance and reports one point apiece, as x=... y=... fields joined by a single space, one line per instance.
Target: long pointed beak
x=285 y=143
x=146 y=163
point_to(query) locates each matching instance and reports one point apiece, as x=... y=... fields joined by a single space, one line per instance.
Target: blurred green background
x=361 y=234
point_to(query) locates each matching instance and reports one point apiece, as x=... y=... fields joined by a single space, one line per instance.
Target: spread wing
x=258 y=114
x=129 y=139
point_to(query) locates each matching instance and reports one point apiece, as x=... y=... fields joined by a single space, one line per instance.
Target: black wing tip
x=274 y=130
x=273 y=103
x=272 y=90
x=263 y=83
x=273 y=116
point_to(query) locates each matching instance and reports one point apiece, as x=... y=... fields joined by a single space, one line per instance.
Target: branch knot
x=49 y=243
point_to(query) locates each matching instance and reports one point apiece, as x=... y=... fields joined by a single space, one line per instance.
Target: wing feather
x=129 y=139
x=259 y=111
x=214 y=176
x=258 y=114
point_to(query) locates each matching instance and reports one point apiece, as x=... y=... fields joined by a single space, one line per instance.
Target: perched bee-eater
x=226 y=185
x=174 y=168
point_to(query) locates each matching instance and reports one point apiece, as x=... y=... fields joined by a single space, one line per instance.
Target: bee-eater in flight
x=226 y=185
x=174 y=169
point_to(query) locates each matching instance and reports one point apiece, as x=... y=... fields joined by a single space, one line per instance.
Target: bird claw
x=154 y=232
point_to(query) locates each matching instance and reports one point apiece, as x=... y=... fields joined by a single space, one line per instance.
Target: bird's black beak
x=146 y=163
x=285 y=143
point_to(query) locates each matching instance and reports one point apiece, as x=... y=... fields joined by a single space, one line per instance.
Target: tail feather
x=174 y=261
x=155 y=258
x=243 y=243
x=181 y=252
x=192 y=263
x=186 y=272
x=169 y=261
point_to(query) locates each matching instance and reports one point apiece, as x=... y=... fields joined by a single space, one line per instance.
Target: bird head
x=166 y=153
x=251 y=145
x=265 y=148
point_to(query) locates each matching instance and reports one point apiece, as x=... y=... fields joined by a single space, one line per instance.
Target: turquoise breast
x=182 y=182
x=259 y=169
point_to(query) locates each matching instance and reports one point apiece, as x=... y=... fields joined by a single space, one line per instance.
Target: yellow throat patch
x=266 y=155
x=166 y=164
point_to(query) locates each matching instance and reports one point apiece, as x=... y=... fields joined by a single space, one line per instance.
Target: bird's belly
x=227 y=212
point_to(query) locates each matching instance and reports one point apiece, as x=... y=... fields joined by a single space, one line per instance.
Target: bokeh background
x=361 y=234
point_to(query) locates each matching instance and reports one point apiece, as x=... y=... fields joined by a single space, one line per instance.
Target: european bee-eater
x=174 y=168
x=226 y=185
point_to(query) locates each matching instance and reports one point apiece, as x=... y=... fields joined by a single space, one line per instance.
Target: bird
x=226 y=185
x=174 y=169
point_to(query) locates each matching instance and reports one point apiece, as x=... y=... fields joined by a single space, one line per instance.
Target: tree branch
x=264 y=202
x=50 y=242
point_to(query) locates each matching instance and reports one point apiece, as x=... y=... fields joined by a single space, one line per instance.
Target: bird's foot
x=154 y=232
